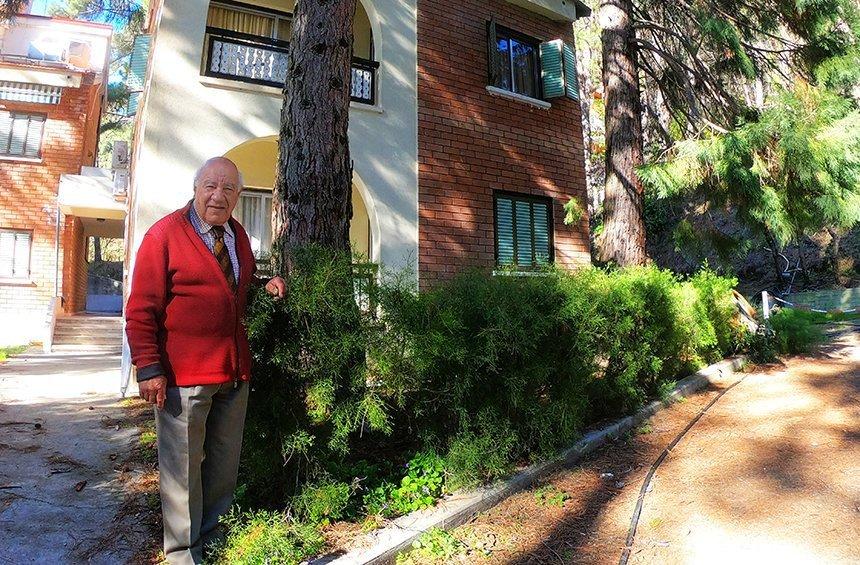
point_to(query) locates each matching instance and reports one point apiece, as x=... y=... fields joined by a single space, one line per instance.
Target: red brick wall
x=471 y=143
x=28 y=190
x=74 y=266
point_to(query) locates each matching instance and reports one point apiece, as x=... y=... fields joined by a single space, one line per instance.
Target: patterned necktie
x=223 y=256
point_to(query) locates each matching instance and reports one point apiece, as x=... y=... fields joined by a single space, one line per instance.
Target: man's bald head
x=224 y=161
x=217 y=185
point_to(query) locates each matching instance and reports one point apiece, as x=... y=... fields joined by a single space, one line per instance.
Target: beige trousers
x=199 y=441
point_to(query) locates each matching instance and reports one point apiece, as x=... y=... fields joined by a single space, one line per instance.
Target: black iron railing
x=262 y=60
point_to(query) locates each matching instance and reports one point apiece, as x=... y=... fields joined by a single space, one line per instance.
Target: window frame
x=534 y=42
x=531 y=199
x=19 y=279
x=4 y=152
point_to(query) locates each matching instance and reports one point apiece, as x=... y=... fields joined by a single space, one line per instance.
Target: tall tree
x=313 y=187
x=623 y=238
x=129 y=17
x=706 y=65
x=792 y=172
x=9 y=8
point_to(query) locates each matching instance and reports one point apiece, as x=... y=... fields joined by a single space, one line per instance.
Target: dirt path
x=63 y=470
x=771 y=474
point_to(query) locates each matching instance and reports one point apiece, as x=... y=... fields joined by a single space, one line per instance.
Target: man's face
x=217 y=192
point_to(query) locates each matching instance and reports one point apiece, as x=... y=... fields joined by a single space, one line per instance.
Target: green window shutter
x=34 y=136
x=571 y=78
x=523 y=230
x=540 y=214
x=552 y=68
x=493 y=56
x=505 y=247
x=137 y=70
x=525 y=244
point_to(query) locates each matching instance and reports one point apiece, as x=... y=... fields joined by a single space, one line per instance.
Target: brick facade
x=28 y=198
x=471 y=143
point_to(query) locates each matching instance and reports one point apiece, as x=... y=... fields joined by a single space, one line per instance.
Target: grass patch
x=11 y=351
x=148 y=443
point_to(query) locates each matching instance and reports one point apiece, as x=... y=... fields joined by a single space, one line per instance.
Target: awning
x=90 y=197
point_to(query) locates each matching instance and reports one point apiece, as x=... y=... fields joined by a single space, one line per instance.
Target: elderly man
x=188 y=341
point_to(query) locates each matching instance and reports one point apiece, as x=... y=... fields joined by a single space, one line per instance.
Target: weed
x=644 y=429
x=550 y=496
x=267 y=538
x=435 y=545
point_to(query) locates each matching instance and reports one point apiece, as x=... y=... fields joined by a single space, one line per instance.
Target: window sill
x=502 y=93
x=16 y=159
x=273 y=91
x=16 y=282
x=521 y=273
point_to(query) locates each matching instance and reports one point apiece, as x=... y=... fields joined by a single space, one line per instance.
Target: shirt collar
x=202 y=226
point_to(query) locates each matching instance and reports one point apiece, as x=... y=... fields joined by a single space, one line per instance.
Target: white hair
x=199 y=171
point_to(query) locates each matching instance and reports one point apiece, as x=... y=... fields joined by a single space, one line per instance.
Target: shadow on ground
x=768 y=475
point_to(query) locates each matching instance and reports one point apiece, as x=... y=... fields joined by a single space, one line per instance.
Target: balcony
x=253 y=59
x=57 y=53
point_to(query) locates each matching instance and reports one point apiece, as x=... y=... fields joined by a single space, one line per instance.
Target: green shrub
x=486 y=371
x=796 y=331
x=483 y=455
x=323 y=502
x=422 y=485
x=310 y=390
x=267 y=538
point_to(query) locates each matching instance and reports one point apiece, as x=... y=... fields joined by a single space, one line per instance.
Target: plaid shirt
x=204 y=230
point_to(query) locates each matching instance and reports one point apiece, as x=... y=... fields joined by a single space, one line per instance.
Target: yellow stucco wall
x=257 y=160
x=362 y=33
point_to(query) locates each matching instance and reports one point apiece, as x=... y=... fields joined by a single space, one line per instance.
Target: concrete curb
x=460 y=507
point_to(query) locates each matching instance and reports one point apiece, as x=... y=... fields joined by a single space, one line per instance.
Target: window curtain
x=243 y=22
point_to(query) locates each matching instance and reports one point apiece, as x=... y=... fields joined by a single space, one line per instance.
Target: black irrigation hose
x=634 y=523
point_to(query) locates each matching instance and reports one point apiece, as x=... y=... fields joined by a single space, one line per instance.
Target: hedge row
x=480 y=373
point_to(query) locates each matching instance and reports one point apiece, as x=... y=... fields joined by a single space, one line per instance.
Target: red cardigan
x=182 y=319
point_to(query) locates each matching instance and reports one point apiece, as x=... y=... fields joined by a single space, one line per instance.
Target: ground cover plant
x=361 y=414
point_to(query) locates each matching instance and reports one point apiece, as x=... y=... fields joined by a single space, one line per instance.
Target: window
x=21 y=134
x=523 y=230
x=15 y=254
x=514 y=61
x=254 y=212
x=274 y=25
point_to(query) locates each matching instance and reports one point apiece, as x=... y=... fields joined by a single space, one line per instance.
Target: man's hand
x=154 y=391
x=277 y=287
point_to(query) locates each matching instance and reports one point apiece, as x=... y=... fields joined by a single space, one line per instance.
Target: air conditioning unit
x=120 y=182
x=120 y=155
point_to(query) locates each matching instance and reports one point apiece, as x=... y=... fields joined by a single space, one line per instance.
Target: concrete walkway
x=60 y=451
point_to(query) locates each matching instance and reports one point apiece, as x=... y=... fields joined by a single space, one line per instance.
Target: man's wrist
x=150 y=372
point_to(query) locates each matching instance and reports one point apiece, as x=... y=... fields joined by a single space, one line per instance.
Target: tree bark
x=313 y=187
x=623 y=237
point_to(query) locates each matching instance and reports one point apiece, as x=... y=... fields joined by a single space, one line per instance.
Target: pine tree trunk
x=623 y=237
x=313 y=188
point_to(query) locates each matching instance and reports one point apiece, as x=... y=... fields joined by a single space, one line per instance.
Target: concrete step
x=76 y=348
x=95 y=322
x=88 y=333
x=87 y=341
